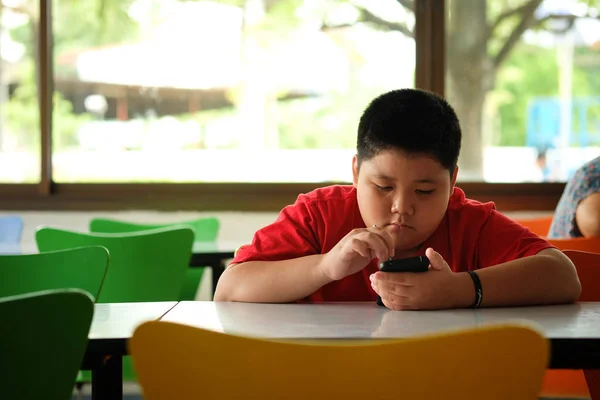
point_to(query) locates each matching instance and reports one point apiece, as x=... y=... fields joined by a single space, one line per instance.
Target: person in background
x=545 y=170
x=578 y=211
x=541 y=162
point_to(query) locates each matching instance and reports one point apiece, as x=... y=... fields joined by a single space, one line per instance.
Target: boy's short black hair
x=411 y=120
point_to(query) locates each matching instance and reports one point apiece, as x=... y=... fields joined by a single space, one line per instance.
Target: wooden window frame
x=49 y=195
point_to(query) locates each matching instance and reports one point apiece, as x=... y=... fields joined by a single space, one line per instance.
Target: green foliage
x=282 y=17
x=329 y=122
x=531 y=72
x=22 y=117
x=76 y=25
x=81 y=24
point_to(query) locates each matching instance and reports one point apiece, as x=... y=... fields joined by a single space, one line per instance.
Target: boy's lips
x=401 y=225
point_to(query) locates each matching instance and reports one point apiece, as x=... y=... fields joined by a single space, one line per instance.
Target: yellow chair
x=181 y=362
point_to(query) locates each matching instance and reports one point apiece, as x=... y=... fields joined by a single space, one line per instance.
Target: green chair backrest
x=80 y=268
x=205 y=229
x=44 y=338
x=144 y=266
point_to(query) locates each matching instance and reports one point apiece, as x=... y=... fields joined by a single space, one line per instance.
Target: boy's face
x=405 y=194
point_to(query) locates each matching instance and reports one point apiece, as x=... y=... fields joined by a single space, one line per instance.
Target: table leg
x=592 y=377
x=217 y=271
x=107 y=379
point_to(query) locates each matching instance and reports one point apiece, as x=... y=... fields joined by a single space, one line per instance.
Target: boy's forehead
x=393 y=164
x=394 y=158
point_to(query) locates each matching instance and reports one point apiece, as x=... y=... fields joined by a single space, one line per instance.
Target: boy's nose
x=403 y=206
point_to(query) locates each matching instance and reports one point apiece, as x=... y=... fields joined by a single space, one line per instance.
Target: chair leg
x=79 y=389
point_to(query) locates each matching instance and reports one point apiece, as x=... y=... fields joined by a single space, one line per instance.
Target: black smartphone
x=412 y=264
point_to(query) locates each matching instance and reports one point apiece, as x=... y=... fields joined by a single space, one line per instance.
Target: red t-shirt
x=471 y=235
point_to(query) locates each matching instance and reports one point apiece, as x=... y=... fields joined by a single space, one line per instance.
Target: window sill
x=238 y=196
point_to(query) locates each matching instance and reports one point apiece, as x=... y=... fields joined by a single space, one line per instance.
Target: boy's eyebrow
x=426 y=180
x=384 y=177
x=389 y=178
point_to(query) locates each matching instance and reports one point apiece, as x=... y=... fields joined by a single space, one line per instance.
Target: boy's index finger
x=388 y=238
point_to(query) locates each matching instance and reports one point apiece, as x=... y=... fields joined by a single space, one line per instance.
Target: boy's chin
x=408 y=247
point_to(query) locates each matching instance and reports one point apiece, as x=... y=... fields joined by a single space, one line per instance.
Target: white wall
x=235 y=226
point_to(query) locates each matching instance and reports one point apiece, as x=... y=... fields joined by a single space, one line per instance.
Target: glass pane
x=19 y=109
x=526 y=86
x=221 y=91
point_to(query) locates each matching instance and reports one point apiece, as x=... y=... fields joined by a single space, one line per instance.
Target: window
x=221 y=91
x=19 y=93
x=524 y=80
x=243 y=104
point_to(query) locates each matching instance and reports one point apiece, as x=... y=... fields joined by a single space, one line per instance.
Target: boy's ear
x=454 y=175
x=354 y=171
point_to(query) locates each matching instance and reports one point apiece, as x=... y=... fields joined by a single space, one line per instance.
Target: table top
x=119 y=320
x=113 y=325
x=220 y=247
x=367 y=320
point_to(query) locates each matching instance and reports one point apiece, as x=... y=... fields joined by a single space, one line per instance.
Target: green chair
x=205 y=230
x=81 y=268
x=44 y=338
x=144 y=266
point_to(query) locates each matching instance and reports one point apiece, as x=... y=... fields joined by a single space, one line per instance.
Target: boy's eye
x=383 y=188
x=424 y=191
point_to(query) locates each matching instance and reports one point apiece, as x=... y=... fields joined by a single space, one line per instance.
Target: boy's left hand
x=435 y=289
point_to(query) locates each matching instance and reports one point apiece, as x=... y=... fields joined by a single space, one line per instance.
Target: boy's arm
x=521 y=268
x=272 y=281
x=549 y=277
x=295 y=279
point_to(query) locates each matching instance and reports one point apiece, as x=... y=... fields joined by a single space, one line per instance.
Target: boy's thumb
x=435 y=259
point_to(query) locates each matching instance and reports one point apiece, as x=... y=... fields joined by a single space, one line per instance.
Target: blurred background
x=271 y=90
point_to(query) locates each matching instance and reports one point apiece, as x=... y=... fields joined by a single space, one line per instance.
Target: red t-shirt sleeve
x=501 y=240
x=293 y=234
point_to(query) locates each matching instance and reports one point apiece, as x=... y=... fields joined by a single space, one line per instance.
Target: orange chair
x=589 y=244
x=540 y=226
x=572 y=383
x=588 y=269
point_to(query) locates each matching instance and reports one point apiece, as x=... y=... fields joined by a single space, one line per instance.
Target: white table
x=366 y=320
x=573 y=329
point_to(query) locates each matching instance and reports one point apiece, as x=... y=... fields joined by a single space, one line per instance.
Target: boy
x=403 y=203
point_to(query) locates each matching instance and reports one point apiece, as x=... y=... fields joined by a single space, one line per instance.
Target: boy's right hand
x=356 y=250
